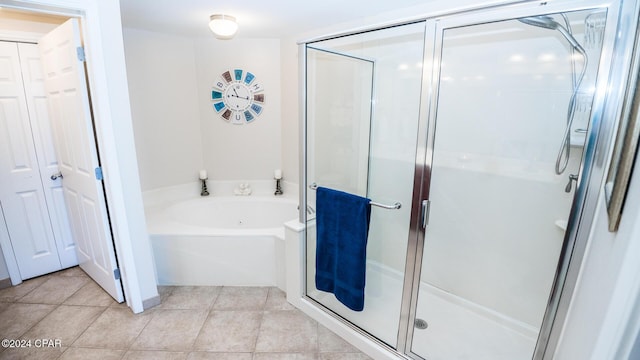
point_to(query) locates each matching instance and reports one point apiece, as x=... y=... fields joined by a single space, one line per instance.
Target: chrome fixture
x=277 y=175
x=421 y=324
x=395 y=206
x=547 y=22
x=203 y=191
x=572 y=178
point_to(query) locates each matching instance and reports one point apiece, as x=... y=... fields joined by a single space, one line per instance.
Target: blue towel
x=342 y=225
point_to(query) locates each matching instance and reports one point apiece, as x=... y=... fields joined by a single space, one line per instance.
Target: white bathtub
x=220 y=240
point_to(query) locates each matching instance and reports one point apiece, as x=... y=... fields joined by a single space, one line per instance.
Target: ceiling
x=256 y=18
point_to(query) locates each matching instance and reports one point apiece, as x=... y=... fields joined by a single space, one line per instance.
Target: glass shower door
x=363 y=101
x=507 y=134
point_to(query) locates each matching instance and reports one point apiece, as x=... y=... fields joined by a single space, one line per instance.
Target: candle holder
x=204 y=191
x=278 y=188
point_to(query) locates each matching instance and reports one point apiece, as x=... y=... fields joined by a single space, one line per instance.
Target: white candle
x=203 y=174
x=277 y=174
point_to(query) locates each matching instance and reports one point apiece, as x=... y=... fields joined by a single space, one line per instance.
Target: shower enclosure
x=483 y=126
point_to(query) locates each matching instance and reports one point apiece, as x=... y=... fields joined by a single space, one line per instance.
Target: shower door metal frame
x=607 y=102
x=614 y=67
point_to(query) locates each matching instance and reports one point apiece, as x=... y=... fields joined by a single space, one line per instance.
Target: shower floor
x=457 y=329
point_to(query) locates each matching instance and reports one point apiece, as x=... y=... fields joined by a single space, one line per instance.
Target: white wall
x=163 y=87
x=240 y=152
x=608 y=284
x=289 y=71
x=177 y=130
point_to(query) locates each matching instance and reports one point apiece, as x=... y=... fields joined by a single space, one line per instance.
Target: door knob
x=56 y=175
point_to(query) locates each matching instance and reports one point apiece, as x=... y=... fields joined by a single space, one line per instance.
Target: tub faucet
x=278 y=187
x=203 y=190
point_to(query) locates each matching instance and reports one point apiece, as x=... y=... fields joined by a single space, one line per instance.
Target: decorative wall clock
x=237 y=97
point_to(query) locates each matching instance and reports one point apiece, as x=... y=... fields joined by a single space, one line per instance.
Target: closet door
x=21 y=195
x=36 y=98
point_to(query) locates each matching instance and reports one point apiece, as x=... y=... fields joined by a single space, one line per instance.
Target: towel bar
x=397 y=205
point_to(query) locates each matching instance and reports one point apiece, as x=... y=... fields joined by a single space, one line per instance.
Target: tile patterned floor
x=191 y=323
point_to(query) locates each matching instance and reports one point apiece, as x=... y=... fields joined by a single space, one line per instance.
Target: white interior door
x=21 y=195
x=36 y=98
x=70 y=112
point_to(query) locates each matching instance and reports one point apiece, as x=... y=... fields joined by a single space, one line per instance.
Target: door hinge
x=80 y=53
x=116 y=274
x=426 y=208
x=99 y=173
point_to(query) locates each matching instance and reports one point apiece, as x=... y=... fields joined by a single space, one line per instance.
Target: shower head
x=541 y=21
x=547 y=22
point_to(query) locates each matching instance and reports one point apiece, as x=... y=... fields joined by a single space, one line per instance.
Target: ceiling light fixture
x=223 y=26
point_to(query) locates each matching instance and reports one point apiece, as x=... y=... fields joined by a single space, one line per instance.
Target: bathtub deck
x=224 y=323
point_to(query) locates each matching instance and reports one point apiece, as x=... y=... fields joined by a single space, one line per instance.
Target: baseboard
x=149 y=303
x=5 y=283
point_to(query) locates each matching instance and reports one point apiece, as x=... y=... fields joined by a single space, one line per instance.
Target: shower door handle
x=426 y=208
